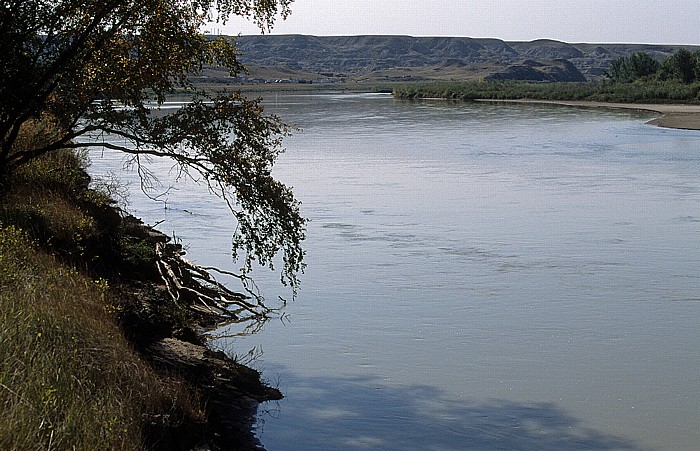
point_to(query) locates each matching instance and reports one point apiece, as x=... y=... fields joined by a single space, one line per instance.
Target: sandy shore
x=685 y=117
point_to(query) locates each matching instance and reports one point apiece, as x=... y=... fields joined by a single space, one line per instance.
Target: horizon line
x=219 y=33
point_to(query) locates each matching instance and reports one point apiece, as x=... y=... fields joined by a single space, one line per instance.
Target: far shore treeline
x=636 y=78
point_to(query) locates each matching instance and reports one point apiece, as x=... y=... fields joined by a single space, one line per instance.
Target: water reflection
x=355 y=413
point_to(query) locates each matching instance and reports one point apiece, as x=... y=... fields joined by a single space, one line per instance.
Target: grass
x=640 y=91
x=69 y=379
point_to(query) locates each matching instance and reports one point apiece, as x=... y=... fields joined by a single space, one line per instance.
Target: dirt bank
x=230 y=391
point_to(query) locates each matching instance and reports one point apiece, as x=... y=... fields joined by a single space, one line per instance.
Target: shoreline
x=676 y=116
x=230 y=391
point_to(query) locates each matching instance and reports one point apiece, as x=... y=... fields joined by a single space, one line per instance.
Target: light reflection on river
x=480 y=277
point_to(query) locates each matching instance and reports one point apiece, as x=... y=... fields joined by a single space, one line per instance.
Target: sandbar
x=685 y=117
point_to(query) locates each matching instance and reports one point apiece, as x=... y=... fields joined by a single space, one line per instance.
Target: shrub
x=639 y=91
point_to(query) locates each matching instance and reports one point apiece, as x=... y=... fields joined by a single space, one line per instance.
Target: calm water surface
x=479 y=277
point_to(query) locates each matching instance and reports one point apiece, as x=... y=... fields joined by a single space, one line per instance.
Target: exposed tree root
x=192 y=286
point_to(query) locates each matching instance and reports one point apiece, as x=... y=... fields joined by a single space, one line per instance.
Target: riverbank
x=679 y=116
x=97 y=352
x=677 y=102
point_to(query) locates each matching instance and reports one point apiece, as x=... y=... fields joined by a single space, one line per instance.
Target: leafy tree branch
x=95 y=67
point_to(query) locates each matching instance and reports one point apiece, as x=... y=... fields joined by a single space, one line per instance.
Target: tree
x=99 y=66
x=633 y=67
x=681 y=65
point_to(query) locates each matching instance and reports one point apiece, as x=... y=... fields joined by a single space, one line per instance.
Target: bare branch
x=180 y=277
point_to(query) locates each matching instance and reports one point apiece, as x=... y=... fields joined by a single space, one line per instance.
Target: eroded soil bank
x=172 y=338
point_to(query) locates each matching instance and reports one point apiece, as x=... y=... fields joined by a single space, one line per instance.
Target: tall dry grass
x=69 y=379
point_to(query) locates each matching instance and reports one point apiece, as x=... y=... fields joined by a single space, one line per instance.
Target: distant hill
x=405 y=58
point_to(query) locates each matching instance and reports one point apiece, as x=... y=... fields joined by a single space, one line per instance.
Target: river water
x=480 y=276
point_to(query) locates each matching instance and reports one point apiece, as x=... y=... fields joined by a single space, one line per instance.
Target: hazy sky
x=597 y=21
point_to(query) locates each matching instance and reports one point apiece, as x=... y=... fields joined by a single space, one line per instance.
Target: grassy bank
x=68 y=377
x=669 y=91
x=75 y=366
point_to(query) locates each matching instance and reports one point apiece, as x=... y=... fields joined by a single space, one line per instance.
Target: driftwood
x=192 y=286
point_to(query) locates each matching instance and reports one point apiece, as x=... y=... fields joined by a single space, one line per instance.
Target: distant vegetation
x=604 y=91
x=637 y=65
x=636 y=78
x=683 y=66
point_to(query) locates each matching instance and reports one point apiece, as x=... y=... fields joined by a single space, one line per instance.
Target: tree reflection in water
x=364 y=413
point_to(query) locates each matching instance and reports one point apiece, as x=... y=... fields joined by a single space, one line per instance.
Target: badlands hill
x=405 y=58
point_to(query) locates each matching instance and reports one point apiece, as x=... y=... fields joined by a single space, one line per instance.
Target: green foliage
x=682 y=65
x=637 y=65
x=63 y=171
x=138 y=254
x=640 y=91
x=68 y=377
x=84 y=68
x=12 y=262
x=496 y=90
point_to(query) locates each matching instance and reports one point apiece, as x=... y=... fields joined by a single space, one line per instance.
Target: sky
x=574 y=21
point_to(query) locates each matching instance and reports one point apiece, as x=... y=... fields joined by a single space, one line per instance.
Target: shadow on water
x=364 y=413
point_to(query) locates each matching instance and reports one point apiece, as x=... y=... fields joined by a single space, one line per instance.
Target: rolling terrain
x=362 y=59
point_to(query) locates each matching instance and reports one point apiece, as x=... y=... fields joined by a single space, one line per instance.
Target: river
x=480 y=276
